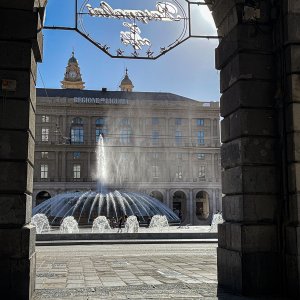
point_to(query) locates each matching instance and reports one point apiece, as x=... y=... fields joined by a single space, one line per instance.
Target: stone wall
x=20 y=49
x=259 y=58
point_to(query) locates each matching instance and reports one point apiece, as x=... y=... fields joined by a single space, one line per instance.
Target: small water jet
x=69 y=225
x=217 y=219
x=41 y=223
x=100 y=224
x=159 y=222
x=132 y=224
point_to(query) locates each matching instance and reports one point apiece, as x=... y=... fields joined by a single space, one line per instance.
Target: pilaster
x=20 y=49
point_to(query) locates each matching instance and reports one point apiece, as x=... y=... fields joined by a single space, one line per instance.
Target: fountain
x=159 y=222
x=217 y=219
x=132 y=224
x=69 y=225
x=100 y=224
x=41 y=223
x=87 y=206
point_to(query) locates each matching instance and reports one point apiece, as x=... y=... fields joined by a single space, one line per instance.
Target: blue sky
x=187 y=70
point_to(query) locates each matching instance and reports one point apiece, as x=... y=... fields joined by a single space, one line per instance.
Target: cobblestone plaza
x=119 y=271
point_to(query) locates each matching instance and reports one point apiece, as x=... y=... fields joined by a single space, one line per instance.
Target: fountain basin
x=87 y=206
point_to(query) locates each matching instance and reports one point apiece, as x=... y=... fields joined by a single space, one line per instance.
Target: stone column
x=20 y=49
x=249 y=258
x=291 y=86
x=168 y=198
x=89 y=176
x=63 y=166
x=191 y=207
x=56 y=165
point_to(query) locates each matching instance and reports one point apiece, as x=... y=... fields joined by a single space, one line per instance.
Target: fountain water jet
x=41 y=223
x=132 y=225
x=101 y=165
x=217 y=219
x=69 y=225
x=86 y=206
x=159 y=222
x=100 y=224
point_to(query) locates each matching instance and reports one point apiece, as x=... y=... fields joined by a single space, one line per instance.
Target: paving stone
x=185 y=271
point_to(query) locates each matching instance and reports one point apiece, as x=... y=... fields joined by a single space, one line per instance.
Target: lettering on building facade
x=114 y=101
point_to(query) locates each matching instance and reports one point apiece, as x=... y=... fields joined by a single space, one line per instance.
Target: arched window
x=77 y=132
x=101 y=129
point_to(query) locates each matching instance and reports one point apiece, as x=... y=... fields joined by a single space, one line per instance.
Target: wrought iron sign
x=134 y=29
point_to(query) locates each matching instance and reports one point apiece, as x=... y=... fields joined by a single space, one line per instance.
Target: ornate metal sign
x=132 y=28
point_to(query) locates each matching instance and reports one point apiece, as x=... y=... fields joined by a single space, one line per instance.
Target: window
x=179 y=172
x=77 y=135
x=155 y=121
x=100 y=122
x=178 y=121
x=45 y=119
x=155 y=137
x=76 y=171
x=200 y=136
x=200 y=122
x=201 y=156
x=76 y=155
x=179 y=156
x=103 y=132
x=178 y=137
x=125 y=136
x=44 y=171
x=201 y=174
x=155 y=172
x=45 y=134
x=77 y=121
x=44 y=154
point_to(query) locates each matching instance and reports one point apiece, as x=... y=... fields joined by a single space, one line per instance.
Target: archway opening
x=179 y=204
x=202 y=205
x=41 y=197
x=157 y=195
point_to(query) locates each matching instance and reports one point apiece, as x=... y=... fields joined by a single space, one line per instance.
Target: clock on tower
x=72 y=79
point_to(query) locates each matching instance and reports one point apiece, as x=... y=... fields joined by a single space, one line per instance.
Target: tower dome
x=126 y=84
x=72 y=59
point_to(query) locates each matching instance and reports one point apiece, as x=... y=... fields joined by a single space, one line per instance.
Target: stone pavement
x=158 y=271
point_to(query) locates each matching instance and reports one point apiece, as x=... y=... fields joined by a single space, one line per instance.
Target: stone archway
x=41 y=197
x=157 y=195
x=180 y=204
x=260 y=136
x=202 y=205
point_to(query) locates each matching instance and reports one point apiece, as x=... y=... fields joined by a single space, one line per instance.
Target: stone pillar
x=191 y=207
x=291 y=85
x=249 y=258
x=20 y=49
x=63 y=166
x=89 y=167
x=56 y=165
x=168 y=198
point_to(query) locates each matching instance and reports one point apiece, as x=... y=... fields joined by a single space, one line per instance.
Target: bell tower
x=72 y=79
x=126 y=84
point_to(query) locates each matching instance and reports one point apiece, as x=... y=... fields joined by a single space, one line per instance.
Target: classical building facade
x=162 y=144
